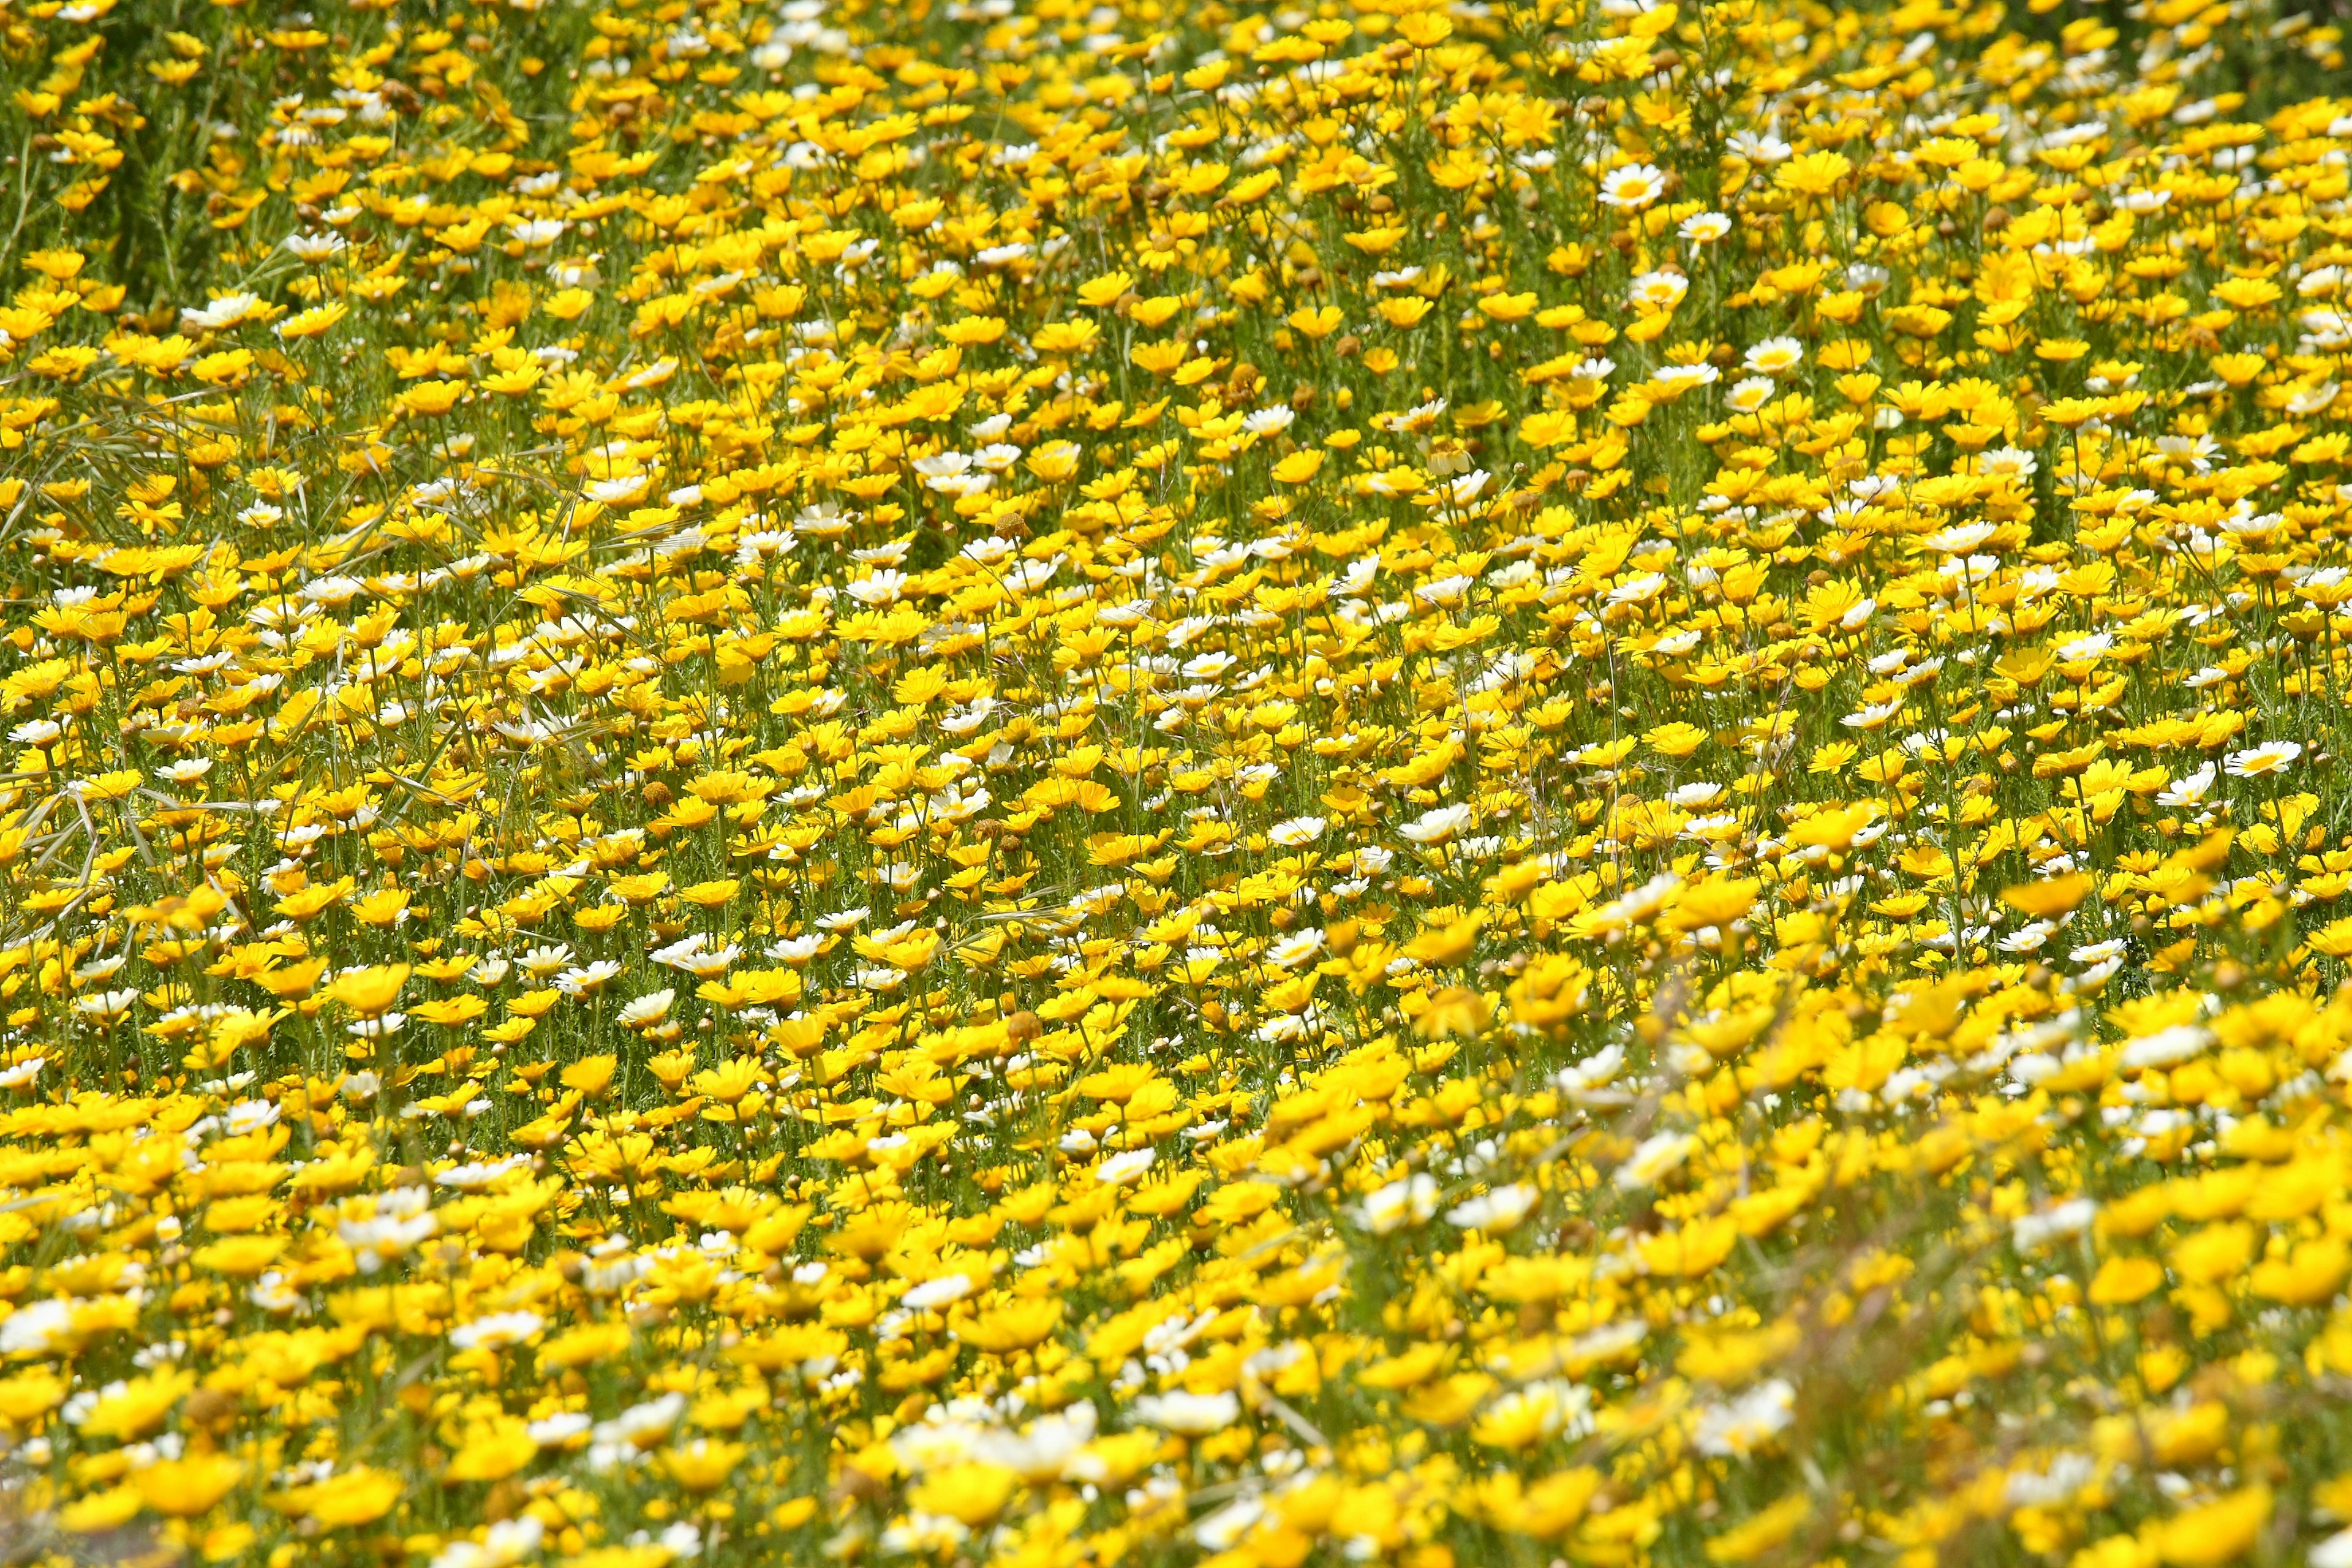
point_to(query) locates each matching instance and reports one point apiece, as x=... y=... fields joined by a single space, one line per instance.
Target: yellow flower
x=1815 y=174
x=1547 y=1509
x=29 y=1396
x=972 y=1494
x=1299 y=466
x=360 y=1495
x=1676 y=739
x=1763 y=1531
x=493 y=1451
x=2215 y=1533
x=703 y=1464
x=1104 y=289
x=370 y=992
x=187 y=1486
x=241 y=1257
x=2305 y=1276
x=98 y=1512
x=1015 y=1326
x=2122 y=1280
x=137 y=1408
x=591 y=1075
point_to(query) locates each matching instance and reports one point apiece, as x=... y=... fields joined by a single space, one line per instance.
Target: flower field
x=1007 y=782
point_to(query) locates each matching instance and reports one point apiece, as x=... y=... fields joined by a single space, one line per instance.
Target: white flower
x=1299 y=947
x=588 y=979
x=332 y=590
x=1438 y=823
x=696 y=958
x=921 y=1534
x=645 y=1424
x=2187 y=790
x=2069 y=1473
x=2072 y=1217
x=1634 y=186
x=1043 y=1449
x=1392 y=1207
x=647 y=1009
x=2258 y=762
x=2027 y=938
x=543 y=961
x=2176 y=1043
x=1268 y=421
x=1764 y=148
x=1209 y=666
x=225 y=310
x=497 y=1331
x=1775 y=356
x=1958 y=540
x=1286 y=1028
x=554 y=1431
x=401 y=1220
x=1587 y=1081
x=30 y=1330
x=1658 y=1153
x=1444 y=589
x=481 y=1173
x=1298 y=830
x=1704 y=228
x=1122 y=1169
x=2336 y=1551
x=881 y=587
x=106 y=1006
x=1192 y=1414
x=2008 y=462
x=1639 y=589
x=507 y=1542
x=615 y=491
x=935 y=1442
x=2078 y=649
x=316 y=247
x=1871 y=717
x=1658 y=290
x=2312 y=400
x=1740 y=1425
x=1496 y=1211
x=1223 y=1529
x=935 y=1293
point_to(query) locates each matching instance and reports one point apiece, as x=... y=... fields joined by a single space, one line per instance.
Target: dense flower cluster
x=1012 y=782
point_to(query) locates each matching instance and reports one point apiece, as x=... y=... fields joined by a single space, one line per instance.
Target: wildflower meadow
x=1478 y=784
